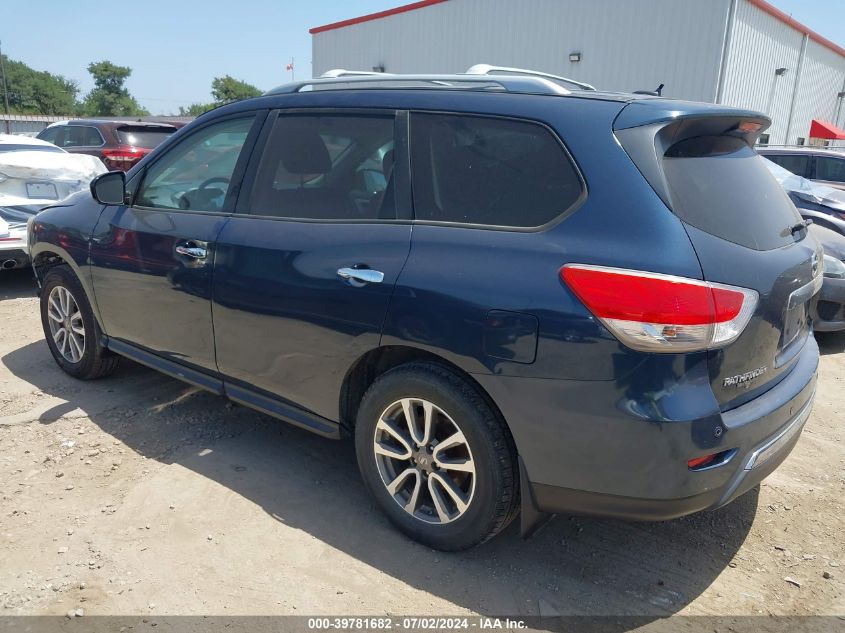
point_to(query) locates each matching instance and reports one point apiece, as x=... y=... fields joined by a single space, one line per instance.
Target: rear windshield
x=14 y=147
x=147 y=137
x=720 y=185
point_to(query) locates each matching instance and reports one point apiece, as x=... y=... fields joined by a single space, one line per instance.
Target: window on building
x=327 y=167
x=489 y=171
x=830 y=169
x=764 y=139
x=801 y=140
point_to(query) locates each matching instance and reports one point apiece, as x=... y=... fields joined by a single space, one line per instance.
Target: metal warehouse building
x=743 y=53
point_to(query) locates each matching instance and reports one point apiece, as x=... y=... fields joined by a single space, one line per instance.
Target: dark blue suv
x=516 y=296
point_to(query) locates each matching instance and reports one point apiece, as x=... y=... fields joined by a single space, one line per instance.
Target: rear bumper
x=607 y=459
x=759 y=464
x=829 y=311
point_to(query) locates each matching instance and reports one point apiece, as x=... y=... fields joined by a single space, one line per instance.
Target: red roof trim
x=795 y=24
x=375 y=16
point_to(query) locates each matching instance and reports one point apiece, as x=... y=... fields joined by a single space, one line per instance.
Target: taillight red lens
x=655 y=312
x=123 y=157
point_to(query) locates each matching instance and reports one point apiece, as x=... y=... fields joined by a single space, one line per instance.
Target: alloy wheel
x=424 y=460
x=66 y=325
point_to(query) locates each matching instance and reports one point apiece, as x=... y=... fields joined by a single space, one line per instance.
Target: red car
x=119 y=144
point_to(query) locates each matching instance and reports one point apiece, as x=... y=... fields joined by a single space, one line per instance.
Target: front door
x=152 y=260
x=304 y=276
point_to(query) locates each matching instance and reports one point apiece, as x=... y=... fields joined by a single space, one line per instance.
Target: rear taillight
x=123 y=157
x=661 y=313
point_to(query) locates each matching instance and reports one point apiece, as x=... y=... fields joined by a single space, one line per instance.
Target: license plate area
x=42 y=190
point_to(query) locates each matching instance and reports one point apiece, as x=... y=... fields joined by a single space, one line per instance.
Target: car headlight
x=833 y=268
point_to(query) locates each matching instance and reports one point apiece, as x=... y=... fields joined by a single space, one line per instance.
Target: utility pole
x=5 y=91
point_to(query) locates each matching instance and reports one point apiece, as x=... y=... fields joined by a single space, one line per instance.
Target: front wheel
x=437 y=458
x=70 y=327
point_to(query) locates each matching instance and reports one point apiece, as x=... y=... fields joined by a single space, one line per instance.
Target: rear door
x=303 y=276
x=747 y=233
x=152 y=259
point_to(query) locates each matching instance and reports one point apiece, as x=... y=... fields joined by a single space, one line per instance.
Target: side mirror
x=109 y=188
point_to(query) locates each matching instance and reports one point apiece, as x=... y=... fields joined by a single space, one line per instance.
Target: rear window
x=720 y=185
x=830 y=169
x=488 y=171
x=146 y=137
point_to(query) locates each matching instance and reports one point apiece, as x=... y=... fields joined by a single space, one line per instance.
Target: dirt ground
x=139 y=495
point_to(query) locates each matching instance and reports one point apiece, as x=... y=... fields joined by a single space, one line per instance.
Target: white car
x=35 y=174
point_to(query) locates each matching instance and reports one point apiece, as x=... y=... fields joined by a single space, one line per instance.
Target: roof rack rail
x=340 y=79
x=488 y=69
x=342 y=72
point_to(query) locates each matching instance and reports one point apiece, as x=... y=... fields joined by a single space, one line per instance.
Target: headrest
x=304 y=152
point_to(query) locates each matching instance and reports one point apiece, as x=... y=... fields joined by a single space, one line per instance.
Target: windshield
x=21 y=147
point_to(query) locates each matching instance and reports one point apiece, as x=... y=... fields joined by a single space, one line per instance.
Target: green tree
x=109 y=96
x=226 y=89
x=196 y=109
x=37 y=92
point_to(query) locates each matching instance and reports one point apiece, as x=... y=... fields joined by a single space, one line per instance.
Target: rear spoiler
x=648 y=130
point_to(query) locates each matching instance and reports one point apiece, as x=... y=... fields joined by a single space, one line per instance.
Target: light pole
x=779 y=72
x=5 y=91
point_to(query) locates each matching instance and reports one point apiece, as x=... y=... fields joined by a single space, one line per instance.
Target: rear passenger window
x=81 y=136
x=795 y=163
x=327 y=167
x=830 y=169
x=489 y=171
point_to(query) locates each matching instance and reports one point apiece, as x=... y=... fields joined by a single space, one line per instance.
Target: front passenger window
x=195 y=174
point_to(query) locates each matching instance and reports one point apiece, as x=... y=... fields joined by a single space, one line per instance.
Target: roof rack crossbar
x=510 y=83
x=488 y=69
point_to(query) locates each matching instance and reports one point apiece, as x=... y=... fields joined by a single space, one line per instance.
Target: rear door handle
x=361 y=276
x=193 y=249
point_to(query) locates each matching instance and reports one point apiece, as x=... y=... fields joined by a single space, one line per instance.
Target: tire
x=94 y=360
x=489 y=495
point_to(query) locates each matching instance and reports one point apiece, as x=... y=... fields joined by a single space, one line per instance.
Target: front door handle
x=193 y=249
x=360 y=276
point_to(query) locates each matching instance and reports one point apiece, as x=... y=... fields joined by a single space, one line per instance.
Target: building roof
x=760 y=4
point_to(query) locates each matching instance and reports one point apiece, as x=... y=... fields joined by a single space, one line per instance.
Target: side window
x=195 y=174
x=81 y=136
x=831 y=169
x=796 y=163
x=327 y=167
x=49 y=134
x=488 y=171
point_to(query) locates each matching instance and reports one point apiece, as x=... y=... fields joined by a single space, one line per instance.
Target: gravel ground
x=140 y=495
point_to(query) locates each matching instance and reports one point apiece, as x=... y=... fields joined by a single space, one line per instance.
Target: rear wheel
x=436 y=457
x=70 y=327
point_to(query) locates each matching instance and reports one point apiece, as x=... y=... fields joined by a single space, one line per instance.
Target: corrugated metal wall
x=624 y=45
x=759 y=44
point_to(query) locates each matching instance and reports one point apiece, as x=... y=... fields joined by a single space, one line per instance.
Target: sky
x=176 y=48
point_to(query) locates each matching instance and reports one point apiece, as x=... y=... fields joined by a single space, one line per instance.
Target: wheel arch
x=382 y=359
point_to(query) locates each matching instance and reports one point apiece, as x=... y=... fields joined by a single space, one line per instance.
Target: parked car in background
x=17 y=143
x=423 y=267
x=119 y=144
x=829 y=311
x=33 y=175
x=824 y=205
x=819 y=164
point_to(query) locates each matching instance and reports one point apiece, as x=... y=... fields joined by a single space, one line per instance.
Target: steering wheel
x=221 y=179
